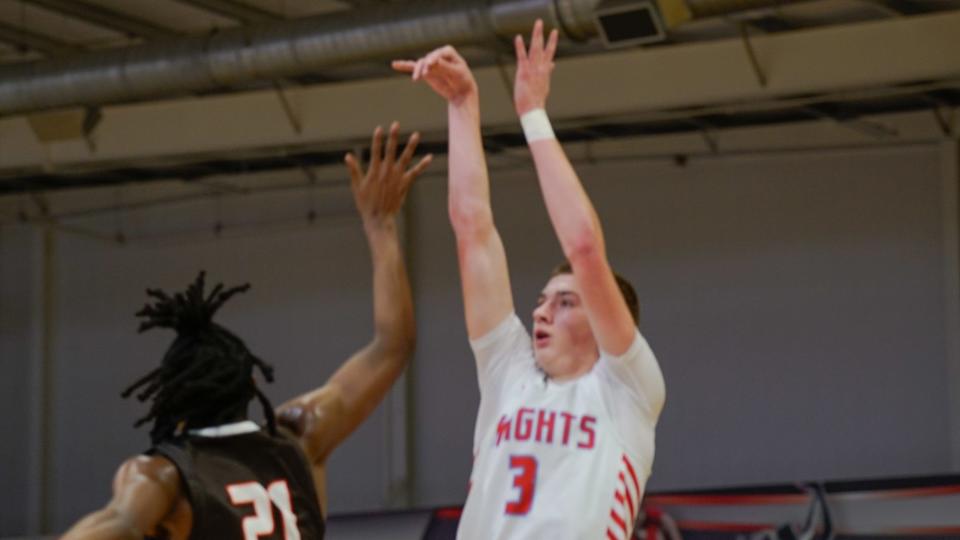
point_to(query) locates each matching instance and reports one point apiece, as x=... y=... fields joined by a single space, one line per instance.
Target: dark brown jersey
x=244 y=484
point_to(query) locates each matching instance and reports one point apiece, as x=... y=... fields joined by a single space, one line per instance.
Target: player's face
x=563 y=343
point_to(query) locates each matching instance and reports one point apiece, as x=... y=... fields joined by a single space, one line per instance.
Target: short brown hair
x=626 y=289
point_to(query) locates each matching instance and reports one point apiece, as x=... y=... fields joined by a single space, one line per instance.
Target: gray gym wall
x=796 y=303
x=19 y=272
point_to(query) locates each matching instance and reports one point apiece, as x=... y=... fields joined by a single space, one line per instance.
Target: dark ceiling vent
x=625 y=23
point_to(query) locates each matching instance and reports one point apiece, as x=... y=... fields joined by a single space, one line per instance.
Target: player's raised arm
x=326 y=416
x=572 y=214
x=483 y=263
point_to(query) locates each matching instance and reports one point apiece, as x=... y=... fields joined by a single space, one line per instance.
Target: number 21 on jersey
x=261 y=522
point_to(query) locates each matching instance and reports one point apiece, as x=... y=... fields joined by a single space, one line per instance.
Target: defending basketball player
x=564 y=439
x=214 y=474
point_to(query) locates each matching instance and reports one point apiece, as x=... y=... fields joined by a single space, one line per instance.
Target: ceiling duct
x=237 y=56
x=277 y=50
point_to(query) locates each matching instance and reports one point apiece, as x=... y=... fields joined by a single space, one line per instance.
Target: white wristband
x=536 y=126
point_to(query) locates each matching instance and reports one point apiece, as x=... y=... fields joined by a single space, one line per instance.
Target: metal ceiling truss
x=267 y=47
x=105 y=18
x=237 y=11
x=25 y=39
x=847 y=110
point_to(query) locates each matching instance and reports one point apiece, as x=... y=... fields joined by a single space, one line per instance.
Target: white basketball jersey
x=563 y=460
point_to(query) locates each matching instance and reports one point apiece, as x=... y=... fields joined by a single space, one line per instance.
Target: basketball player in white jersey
x=564 y=439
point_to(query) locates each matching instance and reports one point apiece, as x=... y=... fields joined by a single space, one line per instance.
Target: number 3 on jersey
x=261 y=522
x=524 y=479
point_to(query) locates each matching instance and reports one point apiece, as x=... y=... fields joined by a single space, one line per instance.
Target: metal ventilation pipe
x=286 y=49
x=303 y=46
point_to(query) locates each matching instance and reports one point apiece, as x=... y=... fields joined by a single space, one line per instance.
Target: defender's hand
x=379 y=193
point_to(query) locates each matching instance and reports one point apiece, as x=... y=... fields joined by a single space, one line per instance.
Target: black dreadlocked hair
x=206 y=377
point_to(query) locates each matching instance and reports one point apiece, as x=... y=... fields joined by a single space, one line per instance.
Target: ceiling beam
x=105 y=18
x=823 y=61
x=364 y=3
x=30 y=40
x=772 y=24
x=235 y=10
x=901 y=7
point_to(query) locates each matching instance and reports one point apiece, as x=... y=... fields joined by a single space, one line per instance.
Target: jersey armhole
x=183 y=463
x=306 y=465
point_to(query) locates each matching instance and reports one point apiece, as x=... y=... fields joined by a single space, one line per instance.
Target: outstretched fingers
x=538 y=51
x=551 y=49
x=418 y=169
x=433 y=59
x=405 y=181
x=391 y=153
x=353 y=166
x=376 y=146
x=403 y=66
x=520 y=48
x=536 y=41
x=407 y=156
x=418 y=69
